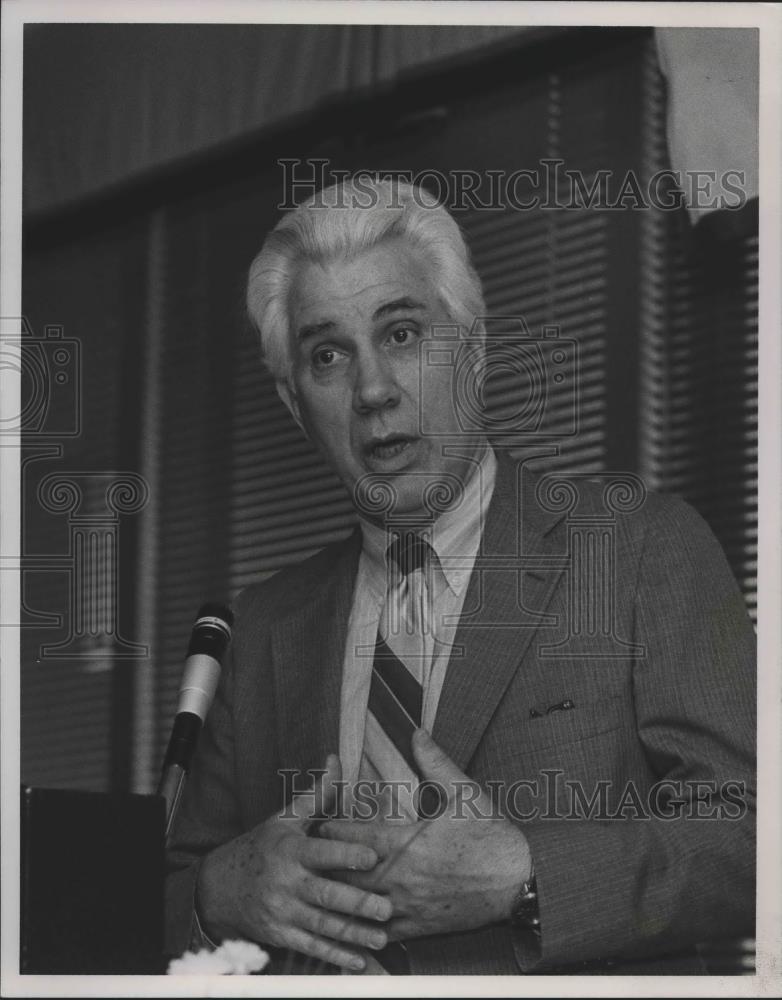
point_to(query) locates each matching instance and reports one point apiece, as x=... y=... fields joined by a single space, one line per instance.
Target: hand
x=452 y=873
x=268 y=886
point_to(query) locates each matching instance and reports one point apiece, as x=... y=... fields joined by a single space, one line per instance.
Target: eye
x=325 y=357
x=402 y=335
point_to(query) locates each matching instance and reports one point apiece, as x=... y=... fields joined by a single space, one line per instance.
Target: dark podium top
x=91 y=883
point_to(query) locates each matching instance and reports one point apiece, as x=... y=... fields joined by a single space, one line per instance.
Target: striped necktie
x=400 y=671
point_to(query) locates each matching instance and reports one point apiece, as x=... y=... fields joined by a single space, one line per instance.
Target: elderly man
x=489 y=797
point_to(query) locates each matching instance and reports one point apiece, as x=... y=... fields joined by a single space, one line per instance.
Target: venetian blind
x=698 y=386
x=78 y=379
x=699 y=341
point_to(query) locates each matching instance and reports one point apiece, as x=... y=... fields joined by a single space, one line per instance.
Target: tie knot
x=409 y=551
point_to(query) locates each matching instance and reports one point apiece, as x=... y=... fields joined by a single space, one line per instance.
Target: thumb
x=434 y=762
x=321 y=800
x=327 y=789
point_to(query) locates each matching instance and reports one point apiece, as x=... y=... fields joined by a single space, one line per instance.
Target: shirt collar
x=456 y=534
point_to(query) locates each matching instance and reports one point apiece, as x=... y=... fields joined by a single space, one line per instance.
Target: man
x=586 y=725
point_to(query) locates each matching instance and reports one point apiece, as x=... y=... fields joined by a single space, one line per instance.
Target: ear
x=288 y=396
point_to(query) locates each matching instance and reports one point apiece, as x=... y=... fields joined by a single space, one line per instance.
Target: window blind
x=698 y=387
x=699 y=330
x=549 y=266
x=85 y=288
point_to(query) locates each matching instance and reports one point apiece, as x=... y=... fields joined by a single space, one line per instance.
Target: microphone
x=209 y=641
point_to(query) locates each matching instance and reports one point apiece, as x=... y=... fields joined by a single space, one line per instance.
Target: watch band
x=525 y=912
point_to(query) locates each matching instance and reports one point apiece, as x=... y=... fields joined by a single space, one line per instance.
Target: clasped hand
x=271 y=885
x=363 y=883
x=459 y=871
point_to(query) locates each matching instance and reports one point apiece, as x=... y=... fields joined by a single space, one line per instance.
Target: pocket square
x=560 y=706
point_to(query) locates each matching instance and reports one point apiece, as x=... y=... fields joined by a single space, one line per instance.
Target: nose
x=375 y=387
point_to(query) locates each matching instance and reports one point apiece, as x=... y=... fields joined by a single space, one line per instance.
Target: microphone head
x=212 y=609
x=209 y=641
x=212 y=631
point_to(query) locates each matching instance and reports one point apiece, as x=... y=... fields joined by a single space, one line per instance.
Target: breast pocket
x=549 y=724
x=548 y=763
x=571 y=721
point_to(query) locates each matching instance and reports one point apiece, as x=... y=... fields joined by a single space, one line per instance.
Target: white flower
x=232 y=958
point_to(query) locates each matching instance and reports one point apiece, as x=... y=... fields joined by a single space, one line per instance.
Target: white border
x=768 y=17
x=492 y=12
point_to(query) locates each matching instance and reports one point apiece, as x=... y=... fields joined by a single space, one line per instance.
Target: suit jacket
x=664 y=691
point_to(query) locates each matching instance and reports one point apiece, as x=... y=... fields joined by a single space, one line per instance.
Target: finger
x=340 y=928
x=342 y=898
x=401 y=928
x=326 y=951
x=326 y=791
x=309 y=805
x=374 y=835
x=327 y=854
x=434 y=762
x=368 y=881
x=374 y=968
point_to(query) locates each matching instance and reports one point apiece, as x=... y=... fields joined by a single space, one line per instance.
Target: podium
x=92 y=876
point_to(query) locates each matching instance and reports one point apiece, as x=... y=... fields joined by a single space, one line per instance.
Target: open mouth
x=390 y=447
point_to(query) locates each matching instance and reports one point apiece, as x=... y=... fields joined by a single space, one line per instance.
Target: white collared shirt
x=456 y=537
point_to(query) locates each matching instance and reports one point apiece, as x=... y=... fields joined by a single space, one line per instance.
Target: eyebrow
x=404 y=304
x=398 y=305
x=313 y=329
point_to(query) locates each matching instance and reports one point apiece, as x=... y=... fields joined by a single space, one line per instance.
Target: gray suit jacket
x=667 y=692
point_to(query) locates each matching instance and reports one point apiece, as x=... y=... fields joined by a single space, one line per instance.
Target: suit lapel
x=505 y=604
x=308 y=648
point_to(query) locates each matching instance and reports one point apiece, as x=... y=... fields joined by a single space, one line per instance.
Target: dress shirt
x=455 y=538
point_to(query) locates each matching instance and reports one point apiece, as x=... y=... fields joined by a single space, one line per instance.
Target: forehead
x=347 y=288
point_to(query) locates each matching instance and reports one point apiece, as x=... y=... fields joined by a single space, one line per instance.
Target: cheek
x=326 y=419
x=437 y=399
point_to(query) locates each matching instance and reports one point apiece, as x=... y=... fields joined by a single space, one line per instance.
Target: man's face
x=356 y=326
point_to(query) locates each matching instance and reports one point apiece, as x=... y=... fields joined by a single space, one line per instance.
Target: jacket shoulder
x=628 y=498
x=287 y=588
x=643 y=518
x=663 y=530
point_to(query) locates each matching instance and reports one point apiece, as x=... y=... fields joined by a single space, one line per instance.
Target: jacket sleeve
x=631 y=887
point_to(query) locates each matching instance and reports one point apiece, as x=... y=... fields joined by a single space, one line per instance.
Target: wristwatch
x=524 y=912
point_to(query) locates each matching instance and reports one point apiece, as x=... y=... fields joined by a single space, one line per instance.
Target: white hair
x=342 y=221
